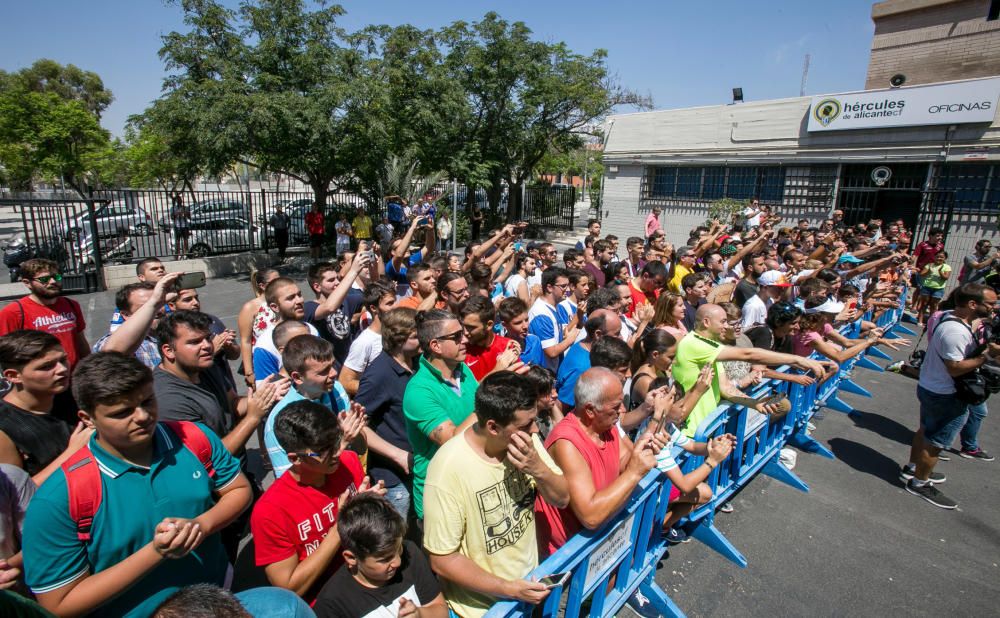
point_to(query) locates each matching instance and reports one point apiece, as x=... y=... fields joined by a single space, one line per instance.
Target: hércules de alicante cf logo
x=826 y=111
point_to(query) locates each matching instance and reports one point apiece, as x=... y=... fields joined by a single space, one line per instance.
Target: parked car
x=210 y=210
x=113 y=219
x=223 y=235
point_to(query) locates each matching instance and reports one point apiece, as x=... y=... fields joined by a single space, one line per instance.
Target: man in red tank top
x=602 y=466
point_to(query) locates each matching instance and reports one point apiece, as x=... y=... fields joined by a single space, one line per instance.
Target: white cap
x=830 y=306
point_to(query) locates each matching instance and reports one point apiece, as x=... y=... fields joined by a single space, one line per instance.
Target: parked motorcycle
x=16 y=251
x=120 y=250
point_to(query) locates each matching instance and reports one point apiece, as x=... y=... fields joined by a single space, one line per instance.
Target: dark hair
x=166 y=329
x=31 y=268
x=592 y=222
x=812 y=285
x=690 y=280
x=969 y=292
x=500 y=395
x=369 y=526
x=612 y=272
x=201 y=601
x=935 y=230
x=415 y=271
x=376 y=291
x=446 y=278
x=549 y=277
x=570 y=254
x=271 y=291
x=519 y=260
x=541 y=378
x=123 y=295
x=827 y=276
x=106 y=377
x=748 y=259
x=847 y=290
x=259 y=276
x=610 y=352
x=141 y=266
x=602 y=298
x=397 y=324
x=655 y=340
x=20 y=347
x=510 y=308
x=429 y=326
x=654 y=269
x=481 y=274
x=601 y=245
x=303 y=348
x=317 y=270
x=282 y=332
x=480 y=306
x=575 y=275
x=307 y=425
x=781 y=314
x=634 y=241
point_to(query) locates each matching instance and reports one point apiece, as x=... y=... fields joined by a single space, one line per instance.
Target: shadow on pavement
x=866 y=459
x=883 y=426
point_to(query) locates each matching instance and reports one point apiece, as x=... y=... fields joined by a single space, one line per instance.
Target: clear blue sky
x=682 y=53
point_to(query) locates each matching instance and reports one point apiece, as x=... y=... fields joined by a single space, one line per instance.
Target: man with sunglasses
x=440 y=396
x=46 y=310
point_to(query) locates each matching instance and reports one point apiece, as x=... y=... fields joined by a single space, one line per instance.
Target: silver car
x=226 y=235
x=112 y=219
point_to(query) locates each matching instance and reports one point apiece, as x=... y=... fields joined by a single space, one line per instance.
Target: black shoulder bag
x=971 y=387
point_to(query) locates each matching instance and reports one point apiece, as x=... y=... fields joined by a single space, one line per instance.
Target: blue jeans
x=941 y=416
x=270 y=601
x=399 y=497
x=970 y=431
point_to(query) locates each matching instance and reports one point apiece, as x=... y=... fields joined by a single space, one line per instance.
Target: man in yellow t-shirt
x=684 y=267
x=362 y=226
x=479 y=496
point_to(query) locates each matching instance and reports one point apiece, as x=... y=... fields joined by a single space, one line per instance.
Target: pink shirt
x=652 y=224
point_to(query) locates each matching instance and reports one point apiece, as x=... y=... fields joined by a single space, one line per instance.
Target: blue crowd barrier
x=608 y=565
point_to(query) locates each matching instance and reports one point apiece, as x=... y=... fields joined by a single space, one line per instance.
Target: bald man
x=602 y=466
x=703 y=346
x=600 y=323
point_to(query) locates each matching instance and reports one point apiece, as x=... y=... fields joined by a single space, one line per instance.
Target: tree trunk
x=320 y=191
x=515 y=209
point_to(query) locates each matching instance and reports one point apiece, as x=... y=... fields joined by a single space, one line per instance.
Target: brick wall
x=939 y=43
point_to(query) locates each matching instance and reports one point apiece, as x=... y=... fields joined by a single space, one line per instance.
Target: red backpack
x=83 y=478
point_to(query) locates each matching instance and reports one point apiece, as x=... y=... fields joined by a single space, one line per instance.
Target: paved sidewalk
x=857 y=543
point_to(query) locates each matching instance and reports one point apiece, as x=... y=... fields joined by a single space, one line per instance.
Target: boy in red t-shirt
x=294 y=523
x=45 y=309
x=487 y=351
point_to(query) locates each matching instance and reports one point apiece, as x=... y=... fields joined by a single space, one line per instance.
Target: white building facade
x=928 y=154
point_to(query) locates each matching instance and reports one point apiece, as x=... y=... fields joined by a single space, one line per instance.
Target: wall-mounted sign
x=955 y=103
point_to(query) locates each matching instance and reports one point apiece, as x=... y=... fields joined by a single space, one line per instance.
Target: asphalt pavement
x=857 y=544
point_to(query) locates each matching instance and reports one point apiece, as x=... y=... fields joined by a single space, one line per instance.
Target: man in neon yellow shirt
x=704 y=346
x=683 y=267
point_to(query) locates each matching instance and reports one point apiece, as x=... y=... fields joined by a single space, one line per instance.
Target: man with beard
x=46 y=310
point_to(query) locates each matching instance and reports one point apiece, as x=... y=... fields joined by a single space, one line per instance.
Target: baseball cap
x=850 y=259
x=830 y=306
x=774 y=278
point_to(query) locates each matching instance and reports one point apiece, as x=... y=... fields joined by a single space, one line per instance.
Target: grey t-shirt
x=206 y=402
x=972 y=274
x=951 y=340
x=16 y=491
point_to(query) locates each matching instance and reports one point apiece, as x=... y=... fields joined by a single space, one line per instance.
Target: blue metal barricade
x=609 y=564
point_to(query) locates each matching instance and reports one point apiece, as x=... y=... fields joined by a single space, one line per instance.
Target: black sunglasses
x=455 y=336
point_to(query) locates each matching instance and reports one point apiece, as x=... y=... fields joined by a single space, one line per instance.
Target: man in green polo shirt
x=704 y=345
x=441 y=395
x=155 y=530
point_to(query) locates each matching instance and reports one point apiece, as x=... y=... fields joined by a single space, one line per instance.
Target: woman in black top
x=31 y=437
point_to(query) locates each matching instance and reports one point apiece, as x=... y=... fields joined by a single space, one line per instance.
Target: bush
x=726 y=210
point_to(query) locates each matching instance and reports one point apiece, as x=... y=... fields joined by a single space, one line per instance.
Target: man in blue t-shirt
x=543 y=320
x=601 y=323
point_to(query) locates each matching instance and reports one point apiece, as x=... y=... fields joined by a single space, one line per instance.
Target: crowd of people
x=436 y=424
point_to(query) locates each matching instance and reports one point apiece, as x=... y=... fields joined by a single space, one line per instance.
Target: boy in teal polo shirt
x=155 y=528
x=440 y=396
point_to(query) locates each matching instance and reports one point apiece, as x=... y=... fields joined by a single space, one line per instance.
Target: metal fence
x=83 y=234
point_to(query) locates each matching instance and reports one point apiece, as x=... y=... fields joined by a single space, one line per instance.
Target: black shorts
x=316 y=240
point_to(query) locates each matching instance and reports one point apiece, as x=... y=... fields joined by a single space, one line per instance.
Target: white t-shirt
x=535 y=279
x=752 y=221
x=510 y=286
x=754 y=312
x=953 y=341
x=363 y=350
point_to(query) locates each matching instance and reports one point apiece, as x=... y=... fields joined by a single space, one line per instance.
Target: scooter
x=16 y=251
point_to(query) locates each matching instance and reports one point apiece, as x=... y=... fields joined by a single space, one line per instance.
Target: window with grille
x=715 y=182
x=975 y=186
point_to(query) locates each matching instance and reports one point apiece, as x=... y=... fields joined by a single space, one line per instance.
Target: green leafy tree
x=526 y=97
x=50 y=128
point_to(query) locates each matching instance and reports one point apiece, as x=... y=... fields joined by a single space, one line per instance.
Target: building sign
x=956 y=103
